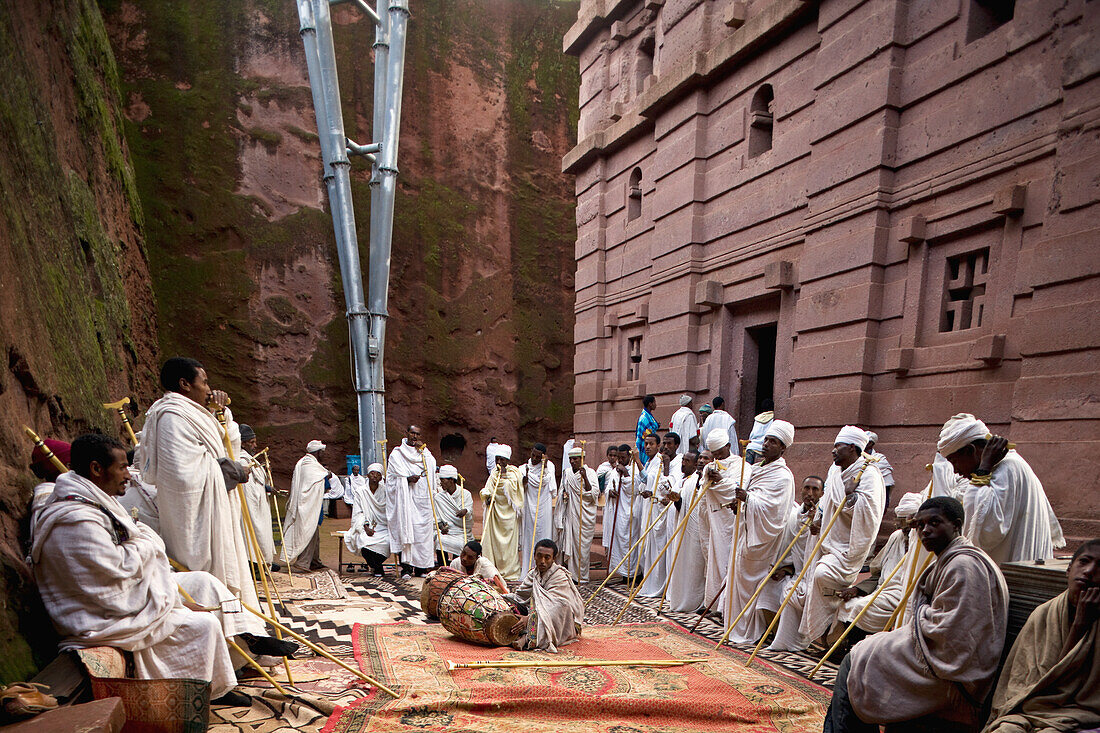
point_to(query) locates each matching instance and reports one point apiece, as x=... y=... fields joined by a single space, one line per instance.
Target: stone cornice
x=599 y=16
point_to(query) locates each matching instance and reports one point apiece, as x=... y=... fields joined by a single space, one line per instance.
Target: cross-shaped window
x=964 y=291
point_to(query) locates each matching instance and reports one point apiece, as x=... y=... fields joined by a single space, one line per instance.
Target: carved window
x=987 y=16
x=634 y=195
x=634 y=359
x=964 y=291
x=643 y=65
x=760 y=120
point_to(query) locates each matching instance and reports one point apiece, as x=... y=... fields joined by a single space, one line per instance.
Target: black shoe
x=701 y=610
x=234 y=699
x=276 y=567
x=269 y=645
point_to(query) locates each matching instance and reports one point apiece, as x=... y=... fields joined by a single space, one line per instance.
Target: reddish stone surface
x=98 y=716
x=905 y=137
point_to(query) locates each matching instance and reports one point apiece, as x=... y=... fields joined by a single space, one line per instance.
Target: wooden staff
x=519 y=664
x=764 y=583
x=806 y=566
x=580 y=518
x=118 y=407
x=614 y=521
x=631 y=549
x=736 y=531
x=492 y=501
x=679 y=544
x=431 y=501
x=899 y=612
x=912 y=564
x=859 y=615
x=275 y=503
x=45 y=450
x=538 y=502
x=319 y=650
x=383 y=443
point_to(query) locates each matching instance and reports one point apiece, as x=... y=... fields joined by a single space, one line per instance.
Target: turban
x=314 y=445
x=717 y=438
x=959 y=432
x=706 y=409
x=853 y=435
x=782 y=431
x=685 y=400
x=908 y=504
x=503 y=451
x=872 y=436
x=59 y=448
x=575 y=452
x=375 y=467
x=247 y=433
x=448 y=471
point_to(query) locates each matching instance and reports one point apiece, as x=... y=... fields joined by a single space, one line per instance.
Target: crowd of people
x=709 y=523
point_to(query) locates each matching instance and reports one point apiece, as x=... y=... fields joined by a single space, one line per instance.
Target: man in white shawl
x=256 y=489
x=182 y=453
x=884 y=466
x=721 y=480
x=410 y=479
x=105 y=581
x=491 y=452
x=369 y=533
x=301 y=525
x=579 y=492
x=1007 y=511
x=660 y=475
x=934 y=672
x=813 y=487
x=687 y=576
x=719 y=419
x=756 y=435
x=685 y=424
x=857 y=597
x=607 y=478
x=627 y=512
x=453 y=508
x=503 y=497
x=855 y=486
x=556 y=608
x=764 y=503
x=540 y=490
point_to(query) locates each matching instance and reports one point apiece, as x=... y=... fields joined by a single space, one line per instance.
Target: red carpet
x=717 y=695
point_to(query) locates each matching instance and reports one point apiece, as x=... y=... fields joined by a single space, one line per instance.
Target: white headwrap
x=504 y=451
x=376 y=467
x=872 y=436
x=782 y=431
x=852 y=435
x=685 y=400
x=314 y=445
x=959 y=432
x=575 y=452
x=448 y=471
x=908 y=504
x=717 y=438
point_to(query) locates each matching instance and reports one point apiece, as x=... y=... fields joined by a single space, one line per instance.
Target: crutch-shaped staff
x=739 y=509
x=538 y=503
x=119 y=407
x=899 y=612
x=45 y=450
x=383 y=443
x=629 y=550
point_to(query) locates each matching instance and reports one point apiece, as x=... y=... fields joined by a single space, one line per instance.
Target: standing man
x=646 y=421
x=491 y=452
x=453 y=505
x=656 y=487
x=627 y=514
x=719 y=419
x=764 y=502
x=686 y=425
x=369 y=534
x=579 y=492
x=759 y=426
x=1007 y=511
x=410 y=475
x=255 y=491
x=503 y=497
x=686 y=578
x=356 y=483
x=301 y=531
x=884 y=466
x=854 y=485
x=540 y=488
x=725 y=476
x=570 y=443
x=608 y=480
x=182 y=453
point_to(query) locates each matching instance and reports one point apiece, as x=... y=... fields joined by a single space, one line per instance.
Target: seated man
x=1051 y=678
x=556 y=607
x=933 y=673
x=105 y=581
x=470 y=562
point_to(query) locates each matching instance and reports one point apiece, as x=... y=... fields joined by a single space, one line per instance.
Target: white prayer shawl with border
x=653 y=561
x=687 y=578
x=255 y=493
x=558 y=607
x=500 y=537
x=628 y=520
x=720 y=519
x=772 y=595
x=543 y=501
x=180 y=446
x=770 y=492
x=724 y=420
x=303 y=508
x=142 y=498
x=409 y=508
x=883 y=563
x=368 y=509
x=580 y=521
x=447 y=507
x=610 y=478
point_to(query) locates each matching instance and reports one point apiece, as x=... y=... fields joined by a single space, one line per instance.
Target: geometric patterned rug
x=716 y=694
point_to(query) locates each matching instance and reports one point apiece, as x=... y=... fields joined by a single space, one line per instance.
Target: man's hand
x=815 y=528
x=461 y=513
x=525 y=480
x=784 y=572
x=646 y=494
x=1088 y=608
x=741 y=494
x=673 y=496
x=993 y=453
x=218 y=398
x=442 y=528
x=520 y=625
x=412 y=480
x=848 y=593
x=369 y=530
x=713 y=473
x=612 y=494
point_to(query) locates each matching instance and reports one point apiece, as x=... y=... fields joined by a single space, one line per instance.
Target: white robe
x=655 y=557
x=503 y=517
x=627 y=515
x=303 y=508
x=181 y=443
x=409 y=508
x=770 y=492
x=558 y=607
x=760 y=426
x=368 y=509
x=255 y=493
x=883 y=563
x=842 y=554
x=720 y=419
x=686 y=425
x=540 y=503
x=609 y=478
x=447 y=507
x=579 y=511
x=483 y=569
x=720 y=520
x=140 y=499
x=108 y=583
x=687 y=577
x=884 y=468
x=774 y=592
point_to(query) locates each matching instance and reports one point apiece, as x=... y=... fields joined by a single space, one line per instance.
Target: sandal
x=25 y=699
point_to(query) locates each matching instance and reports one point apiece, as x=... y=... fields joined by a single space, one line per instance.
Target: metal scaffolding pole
x=366 y=328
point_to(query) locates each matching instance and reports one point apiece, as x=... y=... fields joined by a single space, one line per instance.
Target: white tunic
x=255 y=493
x=720 y=519
x=608 y=480
x=655 y=557
x=720 y=419
x=409 y=508
x=303 y=508
x=538 y=509
x=688 y=575
x=686 y=425
x=628 y=520
x=447 y=507
x=883 y=563
x=580 y=521
x=368 y=509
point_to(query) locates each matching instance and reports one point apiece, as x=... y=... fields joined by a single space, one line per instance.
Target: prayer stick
x=899 y=612
x=383 y=443
x=631 y=549
x=118 y=406
x=519 y=664
x=736 y=532
x=431 y=501
x=913 y=563
x=298 y=637
x=45 y=450
x=275 y=503
x=676 y=555
x=763 y=583
x=703 y=615
x=492 y=503
x=538 y=502
x=256 y=664
x=859 y=615
x=614 y=524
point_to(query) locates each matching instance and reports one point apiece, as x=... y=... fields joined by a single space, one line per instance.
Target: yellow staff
x=738 y=509
x=492 y=501
x=899 y=612
x=431 y=501
x=383 y=443
x=118 y=407
x=45 y=450
x=538 y=502
x=629 y=550
x=275 y=503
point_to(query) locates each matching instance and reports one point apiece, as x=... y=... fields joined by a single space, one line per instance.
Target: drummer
x=470 y=562
x=556 y=608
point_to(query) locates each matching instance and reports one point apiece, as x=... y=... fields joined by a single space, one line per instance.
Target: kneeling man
x=105 y=581
x=556 y=608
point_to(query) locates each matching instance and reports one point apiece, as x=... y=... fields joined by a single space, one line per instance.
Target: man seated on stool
x=106 y=581
x=470 y=562
x=557 y=609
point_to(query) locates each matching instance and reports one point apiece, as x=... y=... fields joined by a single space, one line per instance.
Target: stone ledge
x=603 y=12
x=98 y=716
